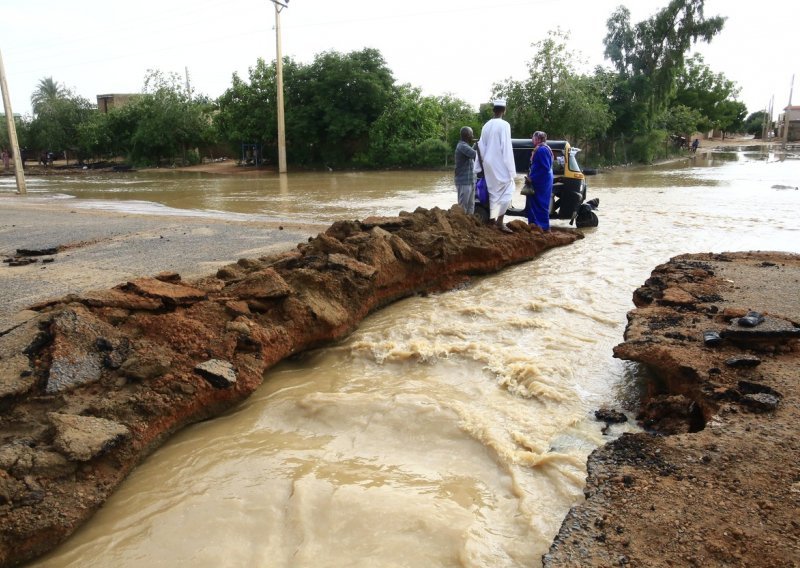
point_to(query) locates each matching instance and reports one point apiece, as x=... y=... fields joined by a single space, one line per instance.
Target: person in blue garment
x=537 y=205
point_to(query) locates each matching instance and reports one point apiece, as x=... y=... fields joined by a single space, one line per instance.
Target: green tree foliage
x=330 y=106
x=46 y=93
x=23 y=127
x=347 y=93
x=730 y=116
x=648 y=57
x=58 y=114
x=456 y=113
x=247 y=109
x=711 y=94
x=555 y=97
x=754 y=124
x=163 y=123
x=94 y=137
x=680 y=119
x=409 y=132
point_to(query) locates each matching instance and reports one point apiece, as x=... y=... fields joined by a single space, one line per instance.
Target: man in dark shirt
x=465 y=176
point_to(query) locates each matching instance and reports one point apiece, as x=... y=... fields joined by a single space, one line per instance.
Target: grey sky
x=443 y=46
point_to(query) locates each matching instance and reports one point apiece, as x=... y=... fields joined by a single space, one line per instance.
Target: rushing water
x=448 y=430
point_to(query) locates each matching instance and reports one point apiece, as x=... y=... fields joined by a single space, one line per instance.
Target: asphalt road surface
x=98 y=249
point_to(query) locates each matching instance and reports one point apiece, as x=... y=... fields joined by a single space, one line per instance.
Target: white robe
x=498 y=164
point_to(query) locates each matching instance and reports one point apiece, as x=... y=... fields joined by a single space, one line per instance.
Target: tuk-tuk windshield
x=573 y=163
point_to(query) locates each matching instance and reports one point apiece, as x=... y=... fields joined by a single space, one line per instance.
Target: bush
x=647 y=147
x=431 y=153
x=193 y=157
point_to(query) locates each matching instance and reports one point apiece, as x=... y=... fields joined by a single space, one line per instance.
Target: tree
x=555 y=97
x=346 y=94
x=730 y=116
x=409 y=132
x=711 y=94
x=162 y=123
x=56 y=124
x=754 y=124
x=94 y=136
x=46 y=93
x=649 y=55
x=681 y=120
x=247 y=110
x=330 y=106
x=456 y=113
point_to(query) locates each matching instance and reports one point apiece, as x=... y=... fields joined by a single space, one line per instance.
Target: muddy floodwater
x=448 y=430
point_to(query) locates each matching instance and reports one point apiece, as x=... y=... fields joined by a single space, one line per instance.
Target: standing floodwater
x=448 y=430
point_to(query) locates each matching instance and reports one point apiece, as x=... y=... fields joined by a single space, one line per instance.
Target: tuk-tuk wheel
x=588 y=219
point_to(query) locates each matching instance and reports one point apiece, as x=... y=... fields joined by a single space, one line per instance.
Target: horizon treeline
x=345 y=110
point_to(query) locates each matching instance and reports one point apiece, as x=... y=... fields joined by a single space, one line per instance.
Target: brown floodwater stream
x=448 y=430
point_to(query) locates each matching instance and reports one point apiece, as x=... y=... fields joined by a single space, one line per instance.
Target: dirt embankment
x=717 y=480
x=101 y=378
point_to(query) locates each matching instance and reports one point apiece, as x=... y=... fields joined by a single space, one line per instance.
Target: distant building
x=790 y=118
x=106 y=102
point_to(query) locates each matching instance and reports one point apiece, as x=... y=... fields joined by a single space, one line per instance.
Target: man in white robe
x=498 y=163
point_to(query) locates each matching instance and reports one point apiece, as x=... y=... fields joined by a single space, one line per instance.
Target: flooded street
x=448 y=430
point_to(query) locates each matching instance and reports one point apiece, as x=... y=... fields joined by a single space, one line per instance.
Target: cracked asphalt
x=100 y=249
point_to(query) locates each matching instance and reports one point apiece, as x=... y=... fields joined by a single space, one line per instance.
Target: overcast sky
x=460 y=47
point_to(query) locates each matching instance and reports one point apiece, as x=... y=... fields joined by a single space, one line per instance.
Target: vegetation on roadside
x=345 y=110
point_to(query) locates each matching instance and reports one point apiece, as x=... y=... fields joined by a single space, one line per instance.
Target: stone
x=250 y=263
x=404 y=252
x=351 y=264
x=168 y=276
x=760 y=402
x=679 y=296
x=441 y=219
x=610 y=415
x=386 y=222
x=237 y=308
x=170 y=294
x=15 y=376
x=81 y=438
x=115 y=298
x=263 y=284
x=20 y=459
x=47 y=251
x=743 y=361
x=75 y=358
x=230 y=272
x=146 y=366
x=770 y=331
x=15 y=368
x=221 y=374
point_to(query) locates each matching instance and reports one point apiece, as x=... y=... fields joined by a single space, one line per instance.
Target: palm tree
x=46 y=92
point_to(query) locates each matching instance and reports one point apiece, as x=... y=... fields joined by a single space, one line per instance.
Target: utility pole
x=12 y=130
x=766 y=125
x=280 y=5
x=786 y=112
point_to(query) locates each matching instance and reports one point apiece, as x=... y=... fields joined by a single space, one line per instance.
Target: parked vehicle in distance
x=569 y=184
